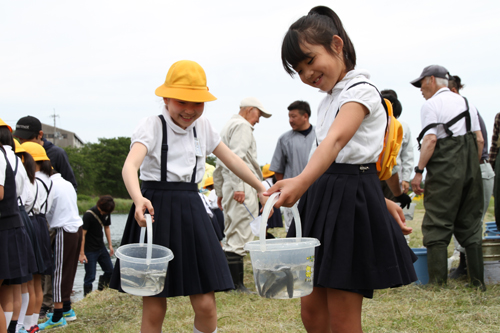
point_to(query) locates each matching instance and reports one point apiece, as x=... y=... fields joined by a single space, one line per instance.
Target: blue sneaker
x=68 y=315
x=50 y=324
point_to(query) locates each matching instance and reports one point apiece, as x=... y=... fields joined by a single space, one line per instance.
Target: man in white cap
x=451 y=148
x=237 y=199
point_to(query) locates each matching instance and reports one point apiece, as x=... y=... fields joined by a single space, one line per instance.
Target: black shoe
x=87 y=290
x=43 y=312
x=269 y=236
x=235 y=262
x=461 y=270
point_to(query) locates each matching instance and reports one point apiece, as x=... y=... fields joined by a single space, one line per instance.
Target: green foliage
x=97 y=166
x=211 y=159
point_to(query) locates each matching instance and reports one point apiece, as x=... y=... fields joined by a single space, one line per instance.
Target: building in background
x=61 y=137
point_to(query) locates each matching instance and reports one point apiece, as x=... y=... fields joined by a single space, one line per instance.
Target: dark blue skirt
x=183 y=225
x=218 y=223
x=362 y=246
x=41 y=230
x=16 y=254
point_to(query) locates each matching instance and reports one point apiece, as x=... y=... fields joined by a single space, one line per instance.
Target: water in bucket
x=282 y=268
x=143 y=267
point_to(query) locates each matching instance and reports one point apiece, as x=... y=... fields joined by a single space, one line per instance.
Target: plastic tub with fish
x=143 y=267
x=282 y=268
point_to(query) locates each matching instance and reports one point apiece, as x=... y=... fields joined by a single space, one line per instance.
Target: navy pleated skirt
x=218 y=223
x=183 y=225
x=44 y=256
x=362 y=246
x=16 y=254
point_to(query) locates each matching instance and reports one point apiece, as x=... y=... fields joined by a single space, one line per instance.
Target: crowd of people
x=328 y=170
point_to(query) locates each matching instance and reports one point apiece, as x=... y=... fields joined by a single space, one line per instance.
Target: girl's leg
x=37 y=279
x=153 y=313
x=314 y=311
x=345 y=310
x=7 y=301
x=205 y=312
x=32 y=301
x=24 y=305
x=3 y=324
x=16 y=293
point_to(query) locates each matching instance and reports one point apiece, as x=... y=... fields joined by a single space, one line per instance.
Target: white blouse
x=181 y=148
x=367 y=143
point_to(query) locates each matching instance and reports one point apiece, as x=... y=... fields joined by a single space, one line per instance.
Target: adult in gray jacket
x=237 y=199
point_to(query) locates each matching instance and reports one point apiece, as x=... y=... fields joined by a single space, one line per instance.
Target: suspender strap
x=164 y=152
x=193 y=176
x=34 y=201
x=47 y=198
x=447 y=125
x=164 y=149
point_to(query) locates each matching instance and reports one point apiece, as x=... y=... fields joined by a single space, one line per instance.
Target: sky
x=96 y=64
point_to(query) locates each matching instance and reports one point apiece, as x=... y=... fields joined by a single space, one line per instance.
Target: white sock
x=35 y=318
x=196 y=331
x=28 y=322
x=24 y=306
x=8 y=317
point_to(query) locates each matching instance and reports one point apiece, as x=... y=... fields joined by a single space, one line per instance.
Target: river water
x=118 y=222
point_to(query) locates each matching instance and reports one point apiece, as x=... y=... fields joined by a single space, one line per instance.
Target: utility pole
x=55 y=128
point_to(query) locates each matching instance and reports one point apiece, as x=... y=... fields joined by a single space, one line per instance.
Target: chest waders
x=453 y=201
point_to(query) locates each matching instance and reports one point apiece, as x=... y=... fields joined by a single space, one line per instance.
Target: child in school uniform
x=275 y=221
x=170 y=150
x=362 y=243
x=63 y=217
x=37 y=212
x=218 y=216
x=16 y=254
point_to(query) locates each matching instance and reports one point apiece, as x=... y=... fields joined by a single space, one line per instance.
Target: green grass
x=85 y=202
x=453 y=308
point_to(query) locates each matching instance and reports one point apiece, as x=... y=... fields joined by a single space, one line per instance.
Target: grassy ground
x=453 y=308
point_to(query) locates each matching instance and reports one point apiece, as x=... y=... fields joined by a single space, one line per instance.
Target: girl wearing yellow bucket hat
x=170 y=150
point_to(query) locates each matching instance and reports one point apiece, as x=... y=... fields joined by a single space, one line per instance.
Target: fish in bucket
x=283 y=268
x=143 y=267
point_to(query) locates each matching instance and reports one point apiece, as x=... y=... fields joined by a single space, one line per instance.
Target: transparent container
x=143 y=267
x=282 y=268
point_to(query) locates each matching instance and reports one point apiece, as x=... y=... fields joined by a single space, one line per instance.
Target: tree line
x=98 y=166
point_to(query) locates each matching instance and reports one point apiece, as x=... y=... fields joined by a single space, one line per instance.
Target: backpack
x=392 y=139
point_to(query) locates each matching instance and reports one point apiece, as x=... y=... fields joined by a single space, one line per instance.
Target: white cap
x=254 y=102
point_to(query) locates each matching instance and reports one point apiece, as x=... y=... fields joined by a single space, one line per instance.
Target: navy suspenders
x=164 y=152
x=46 y=199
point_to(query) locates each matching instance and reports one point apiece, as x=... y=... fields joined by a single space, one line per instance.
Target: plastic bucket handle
x=149 y=227
x=265 y=215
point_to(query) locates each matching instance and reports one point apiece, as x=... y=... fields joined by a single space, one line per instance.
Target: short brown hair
x=106 y=204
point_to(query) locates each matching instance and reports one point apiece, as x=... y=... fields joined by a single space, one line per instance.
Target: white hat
x=254 y=102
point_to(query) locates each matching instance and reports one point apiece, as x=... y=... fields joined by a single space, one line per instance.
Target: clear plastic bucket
x=282 y=268
x=143 y=267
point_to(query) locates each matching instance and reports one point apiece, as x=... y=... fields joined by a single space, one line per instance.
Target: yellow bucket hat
x=3 y=123
x=186 y=80
x=266 y=173
x=36 y=151
x=19 y=148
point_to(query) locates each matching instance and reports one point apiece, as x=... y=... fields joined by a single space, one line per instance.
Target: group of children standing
x=362 y=244
x=33 y=197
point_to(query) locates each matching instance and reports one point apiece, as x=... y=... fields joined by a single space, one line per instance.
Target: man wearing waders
x=453 y=195
x=237 y=199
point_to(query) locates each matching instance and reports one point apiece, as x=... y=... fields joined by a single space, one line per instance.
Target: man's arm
x=428 y=146
x=82 y=258
x=480 y=143
x=107 y=231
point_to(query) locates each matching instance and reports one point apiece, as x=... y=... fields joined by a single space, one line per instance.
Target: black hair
x=6 y=138
x=29 y=165
x=455 y=82
x=302 y=106
x=46 y=167
x=316 y=28
x=106 y=204
x=391 y=95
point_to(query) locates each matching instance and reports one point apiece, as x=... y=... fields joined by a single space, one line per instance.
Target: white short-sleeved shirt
x=63 y=212
x=212 y=200
x=21 y=175
x=367 y=143
x=443 y=106
x=41 y=196
x=181 y=148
